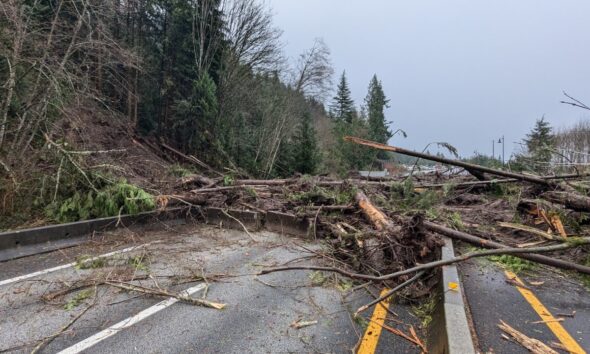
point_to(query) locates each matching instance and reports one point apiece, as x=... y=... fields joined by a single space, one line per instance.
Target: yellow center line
x=564 y=337
x=371 y=338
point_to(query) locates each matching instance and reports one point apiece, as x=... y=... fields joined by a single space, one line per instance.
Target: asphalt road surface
x=553 y=307
x=50 y=298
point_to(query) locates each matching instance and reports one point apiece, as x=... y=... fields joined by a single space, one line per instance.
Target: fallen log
x=199 y=180
x=465 y=165
x=570 y=200
x=374 y=215
x=268 y=182
x=191 y=159
x=478 y=241
x=490 y=252
x=498 y=181
x=226 y=188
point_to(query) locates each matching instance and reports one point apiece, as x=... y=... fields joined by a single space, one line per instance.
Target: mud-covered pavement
x=262 y=313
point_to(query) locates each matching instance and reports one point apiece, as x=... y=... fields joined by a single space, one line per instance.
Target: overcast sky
x=464 y=72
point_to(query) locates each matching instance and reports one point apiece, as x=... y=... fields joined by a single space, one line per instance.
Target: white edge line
x=126 y=323
x=69 y=265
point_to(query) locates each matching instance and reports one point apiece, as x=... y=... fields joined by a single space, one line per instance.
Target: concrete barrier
x=449 y=331
x=289 y=224
x=218 y=216
x=26 y=242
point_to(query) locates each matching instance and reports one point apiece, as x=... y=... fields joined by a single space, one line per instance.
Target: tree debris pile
x=388 y=231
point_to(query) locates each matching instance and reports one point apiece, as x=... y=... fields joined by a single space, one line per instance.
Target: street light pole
x=503 y=150
x=501 y=140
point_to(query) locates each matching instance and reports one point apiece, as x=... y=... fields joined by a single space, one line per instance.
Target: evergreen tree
x=540 y=141
x=305 y=149
x=343 y=106
x=352 y=156
x=376 y=102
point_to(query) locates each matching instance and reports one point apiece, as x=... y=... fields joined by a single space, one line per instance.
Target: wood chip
x=300 y=324
x=549 y=321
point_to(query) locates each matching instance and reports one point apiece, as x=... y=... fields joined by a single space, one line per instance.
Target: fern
x=112 y=200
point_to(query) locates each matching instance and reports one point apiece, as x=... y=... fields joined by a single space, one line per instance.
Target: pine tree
x=305 y=154
x=376 y=102
x=540 y=141
x=343 y=106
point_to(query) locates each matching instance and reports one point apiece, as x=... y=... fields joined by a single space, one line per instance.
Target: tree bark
x=570 y=200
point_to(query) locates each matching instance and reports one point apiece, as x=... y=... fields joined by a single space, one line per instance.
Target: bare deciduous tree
x=313 y=76
x=253 y=40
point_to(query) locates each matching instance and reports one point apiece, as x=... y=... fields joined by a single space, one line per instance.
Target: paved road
x=491 y=299
x=258 y=316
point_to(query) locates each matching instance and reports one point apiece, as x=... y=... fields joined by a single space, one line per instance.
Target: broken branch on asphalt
x=165 y=293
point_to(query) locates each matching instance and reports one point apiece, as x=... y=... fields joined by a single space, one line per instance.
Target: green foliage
x=228 y=180
x=514 y=264
x=317 y=278
x=305 y=156
x=425 y=310
x=78 y=299
x=455 y=221
x=319 y=195
x=112 y=200
x=139 y=262
x=376 y=102
x=403 y=197
x=486 y=161
x=86 y=262
x=178 y=171
x=352 y=156
x=540 y=144
x=342 y=108
x=195 y=115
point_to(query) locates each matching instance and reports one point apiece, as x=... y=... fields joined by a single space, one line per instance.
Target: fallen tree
x=567 y=196
x=480 y=242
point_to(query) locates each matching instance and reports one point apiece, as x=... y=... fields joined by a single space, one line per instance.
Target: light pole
x=501 y=140
x=493 y=149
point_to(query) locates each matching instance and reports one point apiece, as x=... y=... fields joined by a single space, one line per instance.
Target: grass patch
x=513 y=264
x=425 y=310
x=139 y=262
x=78 y=299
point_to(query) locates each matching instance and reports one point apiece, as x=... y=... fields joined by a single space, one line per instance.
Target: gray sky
x=464 y=72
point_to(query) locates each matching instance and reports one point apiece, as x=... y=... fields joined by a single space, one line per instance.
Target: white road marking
x=114 y=329
x=69 y=265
